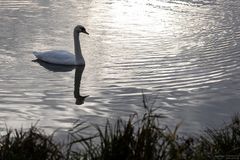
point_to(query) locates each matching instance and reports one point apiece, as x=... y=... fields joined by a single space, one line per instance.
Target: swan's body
x=64 y=57
x=57 y=57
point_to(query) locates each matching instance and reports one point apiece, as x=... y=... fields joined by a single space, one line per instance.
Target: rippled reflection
x=77 y=79
x=77 y=85
x=56 y=68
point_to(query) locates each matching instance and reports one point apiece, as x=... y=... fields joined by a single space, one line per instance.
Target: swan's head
x=80 y=29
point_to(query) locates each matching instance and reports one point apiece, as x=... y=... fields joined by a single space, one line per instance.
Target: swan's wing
x=56 y=57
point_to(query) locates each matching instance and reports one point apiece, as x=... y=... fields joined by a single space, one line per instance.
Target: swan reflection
x=54 y=68
x=77 y=81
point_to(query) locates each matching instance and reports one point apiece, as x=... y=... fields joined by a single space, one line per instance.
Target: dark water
x=183 y=54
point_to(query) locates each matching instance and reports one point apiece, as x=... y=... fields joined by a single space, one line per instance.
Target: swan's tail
x=36 y=54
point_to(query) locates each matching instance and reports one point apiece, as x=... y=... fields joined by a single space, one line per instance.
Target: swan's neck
x=79 y=60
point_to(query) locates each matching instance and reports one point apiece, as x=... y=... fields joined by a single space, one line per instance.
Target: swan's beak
x=86 y=32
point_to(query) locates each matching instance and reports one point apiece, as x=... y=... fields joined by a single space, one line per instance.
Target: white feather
x=56 y=57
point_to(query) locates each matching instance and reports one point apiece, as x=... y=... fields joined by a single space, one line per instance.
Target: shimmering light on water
x=184 y=55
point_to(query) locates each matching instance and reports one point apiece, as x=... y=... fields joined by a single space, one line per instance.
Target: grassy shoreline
x=138 y=138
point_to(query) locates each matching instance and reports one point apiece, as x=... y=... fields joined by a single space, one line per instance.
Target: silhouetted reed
x=223 y=143
x=138 y=138
x=32 y=144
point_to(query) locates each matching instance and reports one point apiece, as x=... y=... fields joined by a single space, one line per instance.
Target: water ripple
x=182 y=53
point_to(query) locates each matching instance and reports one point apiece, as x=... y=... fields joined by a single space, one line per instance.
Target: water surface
x=183 y=54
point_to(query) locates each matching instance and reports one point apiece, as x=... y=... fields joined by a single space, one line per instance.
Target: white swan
x=64 y=57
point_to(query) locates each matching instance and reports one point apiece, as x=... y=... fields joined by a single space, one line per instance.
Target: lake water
x=184 y=55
